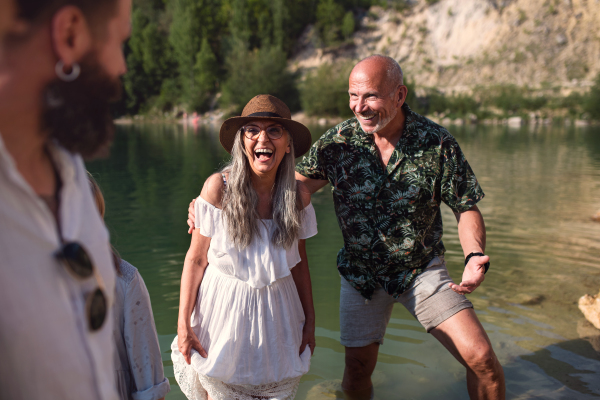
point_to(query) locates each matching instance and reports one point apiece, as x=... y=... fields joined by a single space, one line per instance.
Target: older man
x=60 y=67
x=389 y=169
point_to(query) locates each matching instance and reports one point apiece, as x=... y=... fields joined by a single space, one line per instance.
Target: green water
x=542 y=186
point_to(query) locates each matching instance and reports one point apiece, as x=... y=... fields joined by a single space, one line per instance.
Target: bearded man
x=60 y=67
x=389 y=169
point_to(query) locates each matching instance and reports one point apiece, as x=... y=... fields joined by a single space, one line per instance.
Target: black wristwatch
x=486 y=265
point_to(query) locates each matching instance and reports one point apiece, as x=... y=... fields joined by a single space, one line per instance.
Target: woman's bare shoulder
x=304 y=193
x=212 y=191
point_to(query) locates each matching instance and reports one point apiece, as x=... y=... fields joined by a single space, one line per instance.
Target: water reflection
x=541 y=188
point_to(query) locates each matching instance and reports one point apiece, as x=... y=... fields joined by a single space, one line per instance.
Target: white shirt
x=46 y=348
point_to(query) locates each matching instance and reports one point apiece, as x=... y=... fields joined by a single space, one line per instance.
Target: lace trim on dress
x=284 y=390
x=196 y=386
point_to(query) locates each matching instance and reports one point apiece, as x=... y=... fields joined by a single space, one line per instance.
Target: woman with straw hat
x=246 y=316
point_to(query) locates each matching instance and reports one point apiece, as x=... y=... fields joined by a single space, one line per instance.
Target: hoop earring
x=60 y=71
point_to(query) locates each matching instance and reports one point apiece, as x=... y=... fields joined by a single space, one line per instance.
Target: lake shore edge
x=216 y=118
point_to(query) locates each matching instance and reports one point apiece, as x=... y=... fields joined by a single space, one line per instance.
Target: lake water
x=542 y=186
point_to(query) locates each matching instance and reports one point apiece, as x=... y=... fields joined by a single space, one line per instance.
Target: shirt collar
x=62 y=159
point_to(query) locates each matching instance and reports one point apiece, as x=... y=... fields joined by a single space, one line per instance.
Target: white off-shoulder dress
x=248 y=316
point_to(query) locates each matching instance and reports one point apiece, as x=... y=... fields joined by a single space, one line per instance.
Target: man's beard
x=382 y=123
x=77 y=114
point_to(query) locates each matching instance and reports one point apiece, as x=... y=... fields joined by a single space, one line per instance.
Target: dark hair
x=41 y=10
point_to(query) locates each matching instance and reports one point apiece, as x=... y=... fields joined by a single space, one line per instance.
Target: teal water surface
x=542 y=186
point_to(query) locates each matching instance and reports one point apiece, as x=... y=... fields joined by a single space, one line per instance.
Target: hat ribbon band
x=264 y=114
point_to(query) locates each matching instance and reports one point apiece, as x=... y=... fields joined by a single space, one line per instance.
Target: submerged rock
x=332 y=389
x=326 y=390
x=527 y=299
x=596 y=217
x=590 y=307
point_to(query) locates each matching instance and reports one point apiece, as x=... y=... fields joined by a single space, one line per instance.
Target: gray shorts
x=429 y=299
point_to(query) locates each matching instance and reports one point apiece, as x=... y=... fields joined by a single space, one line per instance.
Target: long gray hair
x=240 y=202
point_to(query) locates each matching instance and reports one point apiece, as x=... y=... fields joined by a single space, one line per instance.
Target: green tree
x=182 y=52
x=280 y=17
x=239 y=26
x=304 y=12
x=138 y=83
x=348 y=25
x=186 y=32
x=329 y=14
x=206 y=73
x=192 y=21
x=148 y=60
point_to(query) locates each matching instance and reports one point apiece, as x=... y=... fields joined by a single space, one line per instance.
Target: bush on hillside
x=591 y=103
x=348 y=25
x=254 y=72
x=459 y=105
x=329 y=15
x=325 y=91
x=511 y=99
x=417 y=104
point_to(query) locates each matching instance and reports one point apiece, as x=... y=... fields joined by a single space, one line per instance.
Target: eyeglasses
x=80 y=266
x=253 y=132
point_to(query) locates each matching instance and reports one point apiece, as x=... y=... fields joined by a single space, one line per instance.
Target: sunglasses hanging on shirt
x=79 y=264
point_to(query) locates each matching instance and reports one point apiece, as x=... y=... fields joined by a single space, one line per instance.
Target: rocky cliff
x=454 y=45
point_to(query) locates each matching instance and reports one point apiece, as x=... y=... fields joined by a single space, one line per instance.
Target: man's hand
x=312 y=184
x=191 y=217
x=472 y=276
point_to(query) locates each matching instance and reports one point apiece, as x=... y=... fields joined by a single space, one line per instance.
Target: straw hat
x=266 y=107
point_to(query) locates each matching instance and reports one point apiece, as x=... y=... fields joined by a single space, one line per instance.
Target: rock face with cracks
x=590 y=307
x=455 y=45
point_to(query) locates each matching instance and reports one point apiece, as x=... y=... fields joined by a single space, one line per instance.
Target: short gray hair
x=394 y=73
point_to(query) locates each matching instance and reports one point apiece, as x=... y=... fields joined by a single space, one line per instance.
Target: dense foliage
x=196 y=55
x=503 y=101
x=186 y=54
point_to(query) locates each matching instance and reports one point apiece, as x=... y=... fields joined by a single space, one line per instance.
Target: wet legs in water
x=463 y=335
x=465 y=338
x=360 y=364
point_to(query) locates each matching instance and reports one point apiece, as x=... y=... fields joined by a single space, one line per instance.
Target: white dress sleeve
x=205 y=216
x=309 y=223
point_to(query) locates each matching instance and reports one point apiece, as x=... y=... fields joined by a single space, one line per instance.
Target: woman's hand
x=308 y=338
x=191 y=217
x=186 y=341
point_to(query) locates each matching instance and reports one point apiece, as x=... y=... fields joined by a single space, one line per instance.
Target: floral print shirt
x=390 y=216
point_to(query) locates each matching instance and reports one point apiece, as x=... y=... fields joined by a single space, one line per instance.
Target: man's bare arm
x=471 y=232
x=312 y=184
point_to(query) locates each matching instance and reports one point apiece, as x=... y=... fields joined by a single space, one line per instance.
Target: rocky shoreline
x=590 y=307
x=215 y=118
